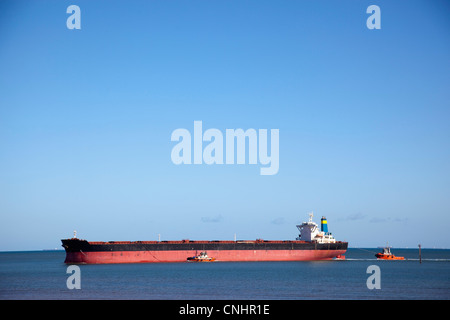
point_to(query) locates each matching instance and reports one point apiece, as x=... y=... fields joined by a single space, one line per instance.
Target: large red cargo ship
x=311 y=244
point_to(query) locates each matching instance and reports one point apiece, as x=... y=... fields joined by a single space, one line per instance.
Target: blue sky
x=86 y=118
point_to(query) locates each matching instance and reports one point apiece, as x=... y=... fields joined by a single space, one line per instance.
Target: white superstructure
x=309 y=231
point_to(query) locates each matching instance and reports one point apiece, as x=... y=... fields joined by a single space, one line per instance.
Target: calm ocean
x=42 y=275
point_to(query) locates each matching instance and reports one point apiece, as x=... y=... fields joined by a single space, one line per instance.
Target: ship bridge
x=309 y=231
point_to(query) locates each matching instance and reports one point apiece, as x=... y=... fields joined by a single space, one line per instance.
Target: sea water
x=43 y=275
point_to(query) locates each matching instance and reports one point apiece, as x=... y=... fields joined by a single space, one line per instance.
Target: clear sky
x=86 y=118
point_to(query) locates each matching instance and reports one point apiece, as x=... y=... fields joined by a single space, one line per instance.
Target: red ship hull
x=83 y=252
x=180 y=256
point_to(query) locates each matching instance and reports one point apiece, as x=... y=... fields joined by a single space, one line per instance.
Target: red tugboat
x=387 y=255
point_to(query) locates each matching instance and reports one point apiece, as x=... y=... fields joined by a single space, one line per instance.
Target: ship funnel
x=324 y=225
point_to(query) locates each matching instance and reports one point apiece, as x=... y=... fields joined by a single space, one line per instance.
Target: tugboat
x=387 y=255
x=202 y=257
